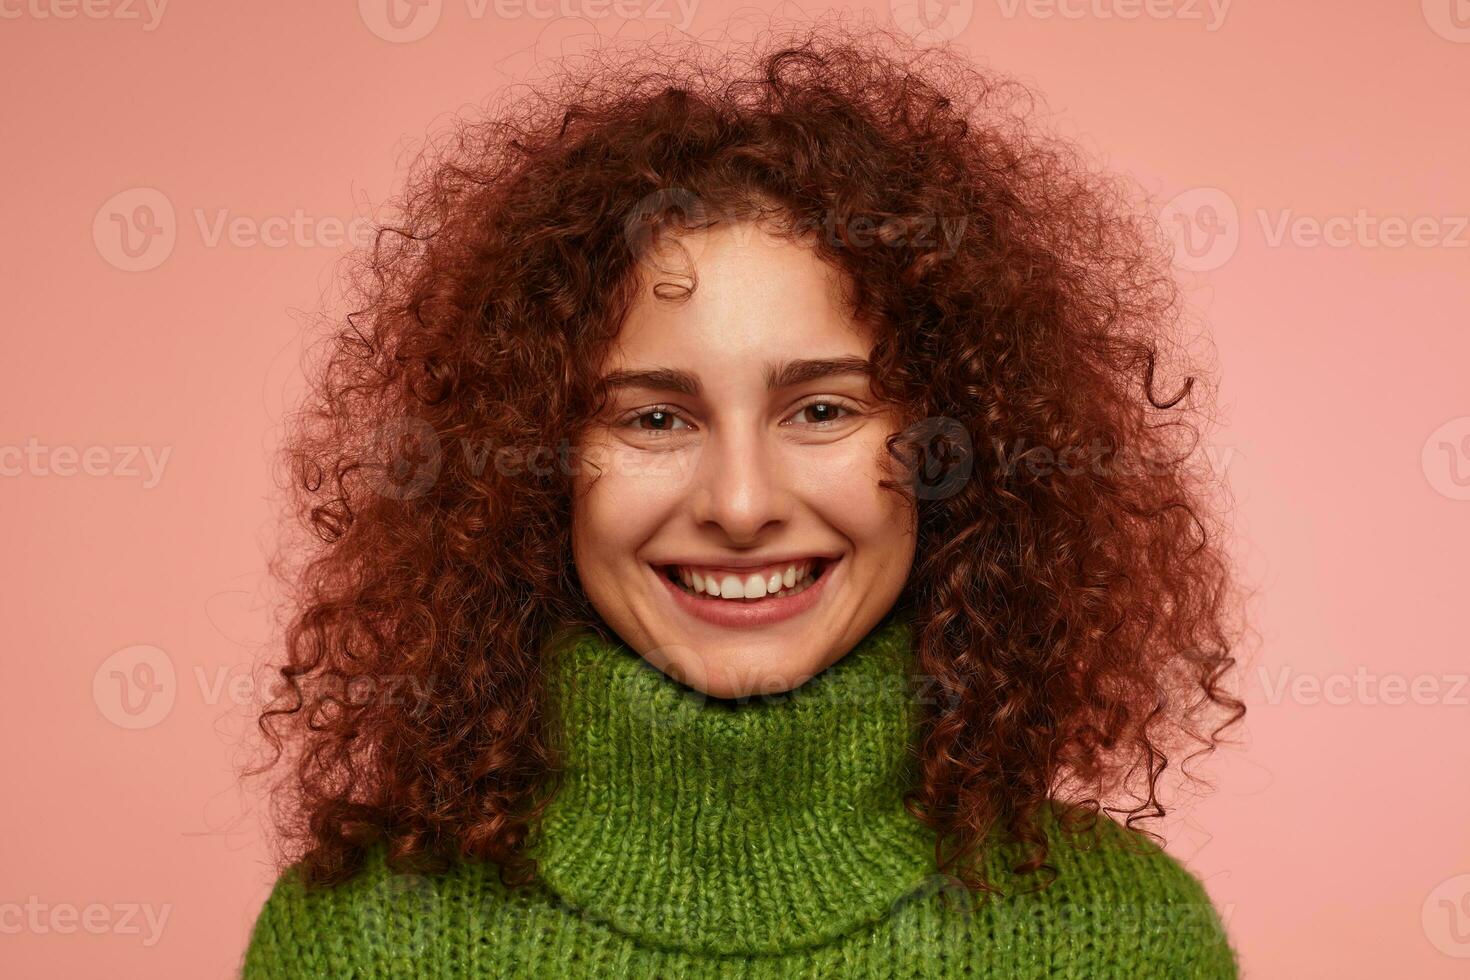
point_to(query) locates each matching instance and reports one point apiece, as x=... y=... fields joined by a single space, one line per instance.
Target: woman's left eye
x=829 y=410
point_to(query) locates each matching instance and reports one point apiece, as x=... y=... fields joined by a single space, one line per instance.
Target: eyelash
x=632 y=420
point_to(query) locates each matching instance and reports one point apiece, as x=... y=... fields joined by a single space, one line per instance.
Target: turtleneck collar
x=718 y=826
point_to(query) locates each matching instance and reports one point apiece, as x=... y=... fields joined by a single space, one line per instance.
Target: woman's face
x=740 y=453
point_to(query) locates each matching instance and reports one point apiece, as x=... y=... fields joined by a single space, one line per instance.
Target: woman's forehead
x=748 y=295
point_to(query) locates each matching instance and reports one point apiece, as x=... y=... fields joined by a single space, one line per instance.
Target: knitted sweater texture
x=763 y=837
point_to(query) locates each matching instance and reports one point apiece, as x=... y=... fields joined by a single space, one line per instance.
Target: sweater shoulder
x=1118 y=890
x=361 y=925
x=300 y=929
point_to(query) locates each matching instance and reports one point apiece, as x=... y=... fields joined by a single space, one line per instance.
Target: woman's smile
x=768 y=594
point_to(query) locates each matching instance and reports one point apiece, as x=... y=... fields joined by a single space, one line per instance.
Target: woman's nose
x=741 y=485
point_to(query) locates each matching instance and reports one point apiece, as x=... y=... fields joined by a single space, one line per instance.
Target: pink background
x=1336 y=844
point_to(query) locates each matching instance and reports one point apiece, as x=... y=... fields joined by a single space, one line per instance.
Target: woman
x=750 y=541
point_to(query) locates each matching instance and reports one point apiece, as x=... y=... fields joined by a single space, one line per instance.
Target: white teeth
x=793 y=580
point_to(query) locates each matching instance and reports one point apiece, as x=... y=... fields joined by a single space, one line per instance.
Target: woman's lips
x=750 y=612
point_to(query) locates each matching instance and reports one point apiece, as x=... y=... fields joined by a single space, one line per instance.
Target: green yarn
x=763 y=837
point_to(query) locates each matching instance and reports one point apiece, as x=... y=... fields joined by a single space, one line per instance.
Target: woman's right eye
x=660 y=420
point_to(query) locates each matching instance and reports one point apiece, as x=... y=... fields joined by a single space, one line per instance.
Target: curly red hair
x=1070 y=592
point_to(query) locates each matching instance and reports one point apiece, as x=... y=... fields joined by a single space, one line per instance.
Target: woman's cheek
x=844 y=484
x=629 y=492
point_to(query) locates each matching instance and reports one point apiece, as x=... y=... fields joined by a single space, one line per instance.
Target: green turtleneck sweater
x=701 y=837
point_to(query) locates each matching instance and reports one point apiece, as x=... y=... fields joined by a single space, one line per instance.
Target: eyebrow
x=784 y=375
